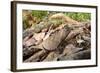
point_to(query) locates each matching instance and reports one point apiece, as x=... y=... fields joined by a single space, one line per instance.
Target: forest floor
x=57 y=38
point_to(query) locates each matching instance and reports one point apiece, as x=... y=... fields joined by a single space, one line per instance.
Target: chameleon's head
x=66 y=28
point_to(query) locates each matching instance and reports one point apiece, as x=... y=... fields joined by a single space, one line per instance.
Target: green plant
x=39 y=14
x=79 y=16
